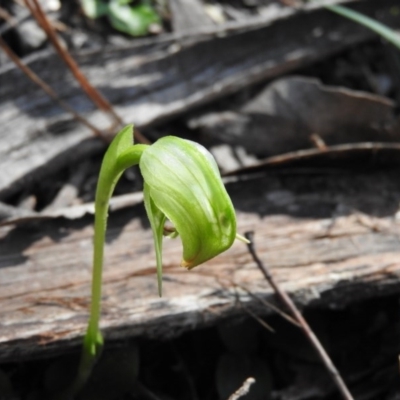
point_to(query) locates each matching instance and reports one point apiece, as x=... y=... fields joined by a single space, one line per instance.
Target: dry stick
x=303 y=323
x=36 y=10
x=7 y=16
x=243 y=390
x=258 y=319
x=11 y=21
x=270 y=305
x=98 y=99
x=45 y=87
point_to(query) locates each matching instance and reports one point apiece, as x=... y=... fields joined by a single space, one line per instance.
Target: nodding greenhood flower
x=183 y=185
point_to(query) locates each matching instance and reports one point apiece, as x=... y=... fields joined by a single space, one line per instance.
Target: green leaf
x=94 y=8
x=184 y=183
x=134 y=21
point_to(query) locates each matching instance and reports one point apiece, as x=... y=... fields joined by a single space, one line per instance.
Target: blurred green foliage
x=132 y=18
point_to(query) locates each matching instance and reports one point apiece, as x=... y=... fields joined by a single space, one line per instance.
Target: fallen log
x=326 y=243
x=154 y=79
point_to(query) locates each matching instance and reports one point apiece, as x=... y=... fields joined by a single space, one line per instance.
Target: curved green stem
x=105 y=188
x=118 y=158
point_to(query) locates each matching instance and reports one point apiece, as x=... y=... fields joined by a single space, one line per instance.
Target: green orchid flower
x=182 y=184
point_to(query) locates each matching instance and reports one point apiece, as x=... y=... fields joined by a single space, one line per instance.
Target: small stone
x=32 y=37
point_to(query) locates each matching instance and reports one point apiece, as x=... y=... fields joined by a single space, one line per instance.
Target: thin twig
x=102 y=103
x=46 y=88
x=270 y=305
x=258 y=319
x=4 y=14
x=10 y=20
x=243 y=390
x=303 y=323
x=98 y=99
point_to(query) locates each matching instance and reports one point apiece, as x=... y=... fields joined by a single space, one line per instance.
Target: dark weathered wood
x=328 y=239
x=152 y=80
x=290 y=110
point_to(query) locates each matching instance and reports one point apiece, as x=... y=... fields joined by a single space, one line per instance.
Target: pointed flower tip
x=186 y=264
x=242 y=239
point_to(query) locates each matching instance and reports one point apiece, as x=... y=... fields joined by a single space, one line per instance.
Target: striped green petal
x=183 y=184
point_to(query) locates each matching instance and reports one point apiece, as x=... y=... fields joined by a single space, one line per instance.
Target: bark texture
x=155 y=79
x=329 y=239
